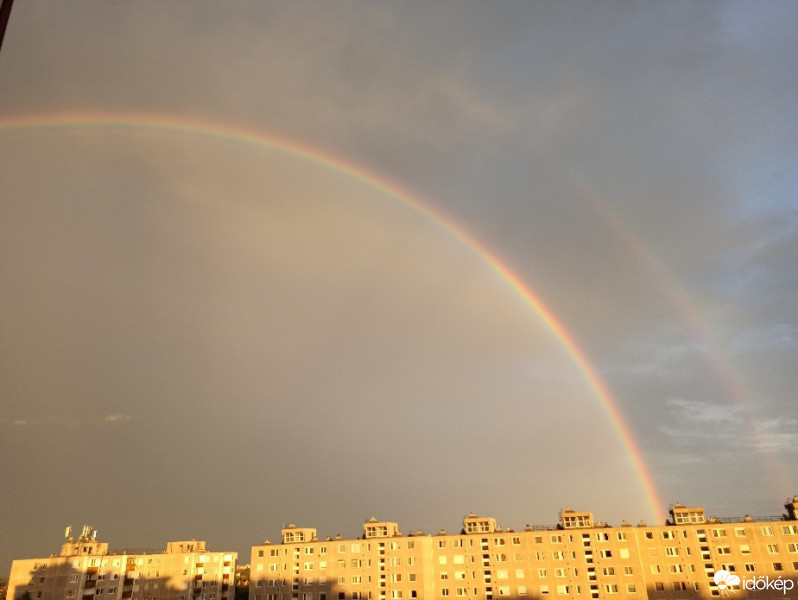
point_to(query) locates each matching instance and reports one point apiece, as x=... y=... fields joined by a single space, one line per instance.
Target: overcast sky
x=201 y=337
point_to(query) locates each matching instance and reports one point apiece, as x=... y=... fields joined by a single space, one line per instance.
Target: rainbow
x=194 y=126
x=736 y=394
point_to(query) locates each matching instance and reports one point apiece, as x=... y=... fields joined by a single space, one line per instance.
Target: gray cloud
x=634 y=166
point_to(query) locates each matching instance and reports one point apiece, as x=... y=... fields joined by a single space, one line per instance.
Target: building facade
x=86 y=570
x=577 y=558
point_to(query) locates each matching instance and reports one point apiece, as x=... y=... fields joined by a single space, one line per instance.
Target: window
x=522 y=590
x=544 y=590
x=739 y=531
x=516 y=541
x=750 y=567
x=562 y=590
x=609 y=570
x=671 y=551
x=718 y=533
x=628 y=571
x=667 y=535
x=767 y=530
x=789 y=529
x=773 y=548
x=622 y=536
x=631 y=588
x=624 y=552
x=675 y=568
x=611 y=588
x=606 y=553
x=541 y=573
x=792 y=548
x=778 y=566
x=559 y=572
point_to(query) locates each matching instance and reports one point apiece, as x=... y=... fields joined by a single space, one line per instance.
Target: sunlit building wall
x=577 y=558
x=86 y=570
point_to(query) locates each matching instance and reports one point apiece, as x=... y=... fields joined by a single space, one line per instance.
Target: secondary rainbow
x=194 y=126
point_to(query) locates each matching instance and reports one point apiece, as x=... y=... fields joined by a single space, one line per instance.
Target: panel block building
x=577 y=558
x=86 y=570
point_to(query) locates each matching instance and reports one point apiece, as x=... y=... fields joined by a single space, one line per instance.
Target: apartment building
x=577 y=558
x=86 y=570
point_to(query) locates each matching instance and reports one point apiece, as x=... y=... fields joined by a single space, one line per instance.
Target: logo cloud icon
x=724 y=579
